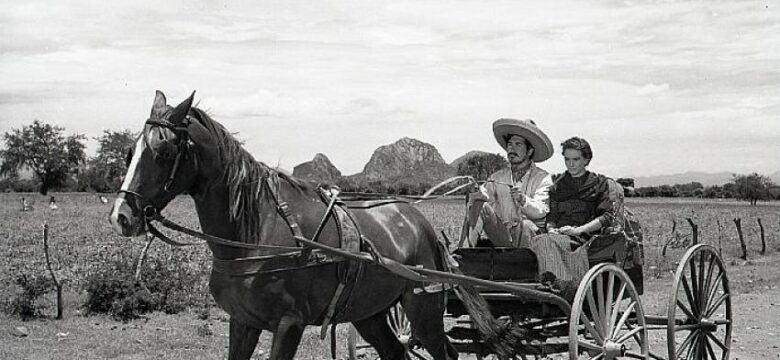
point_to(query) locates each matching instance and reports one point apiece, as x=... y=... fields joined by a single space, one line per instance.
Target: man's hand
x=517 y=196
x=477 y=196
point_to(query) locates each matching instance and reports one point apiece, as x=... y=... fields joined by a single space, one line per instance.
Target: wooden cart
x=605 y=319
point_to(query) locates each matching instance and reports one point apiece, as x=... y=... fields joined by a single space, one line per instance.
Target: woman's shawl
x=590 y=195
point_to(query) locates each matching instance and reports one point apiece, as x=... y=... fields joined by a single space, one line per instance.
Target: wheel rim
x=601 y=324
x=699 y=310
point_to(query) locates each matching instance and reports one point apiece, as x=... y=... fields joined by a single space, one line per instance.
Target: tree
x=482 y=166
x=44 y=149
x=752 y=187
x=107 y=168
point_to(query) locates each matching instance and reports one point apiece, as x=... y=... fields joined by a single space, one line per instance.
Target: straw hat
x=543 y=148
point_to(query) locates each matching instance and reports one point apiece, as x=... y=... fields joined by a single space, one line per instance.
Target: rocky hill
x=465 y=157
x=407 y=160
x=319 y=170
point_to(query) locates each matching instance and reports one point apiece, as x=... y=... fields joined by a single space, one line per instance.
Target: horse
x=182 y=149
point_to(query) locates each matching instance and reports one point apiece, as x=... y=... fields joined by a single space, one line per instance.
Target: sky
x=656 y=87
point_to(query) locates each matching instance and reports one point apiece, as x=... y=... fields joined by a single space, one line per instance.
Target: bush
x=26 y=304
x=166 y=285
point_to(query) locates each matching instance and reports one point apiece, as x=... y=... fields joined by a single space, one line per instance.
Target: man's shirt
x=535 y=184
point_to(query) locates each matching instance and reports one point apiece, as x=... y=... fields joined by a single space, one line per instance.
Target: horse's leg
x=286 y=338
x=243 y=340
x=376 y=331
x=425 y=312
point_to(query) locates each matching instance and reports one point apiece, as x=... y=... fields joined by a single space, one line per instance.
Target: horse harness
x=282 y=258
x=286 y=258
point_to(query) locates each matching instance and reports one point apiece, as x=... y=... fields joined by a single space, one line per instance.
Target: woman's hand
x=570 y=230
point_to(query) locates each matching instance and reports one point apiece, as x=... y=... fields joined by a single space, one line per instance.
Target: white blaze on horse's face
x=122 y=219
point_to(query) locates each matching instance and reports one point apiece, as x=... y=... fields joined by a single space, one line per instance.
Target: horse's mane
x=245 y=179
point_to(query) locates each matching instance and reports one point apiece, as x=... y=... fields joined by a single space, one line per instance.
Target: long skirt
x=557 y=260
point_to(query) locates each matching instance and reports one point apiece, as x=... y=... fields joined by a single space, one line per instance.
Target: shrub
x=26 y=303
x=166 y=285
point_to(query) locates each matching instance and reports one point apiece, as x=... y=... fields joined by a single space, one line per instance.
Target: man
x=512 y=205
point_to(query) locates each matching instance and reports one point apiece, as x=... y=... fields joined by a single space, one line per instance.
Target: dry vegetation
x=81 y=241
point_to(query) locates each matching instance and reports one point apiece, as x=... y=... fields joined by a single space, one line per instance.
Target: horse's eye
x=166 y=150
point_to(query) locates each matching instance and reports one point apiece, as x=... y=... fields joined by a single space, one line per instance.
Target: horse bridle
x=149 y=209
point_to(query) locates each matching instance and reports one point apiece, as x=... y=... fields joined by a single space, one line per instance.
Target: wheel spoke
x=694 y=286
x=689 y=296
x=594 y=313
x=417 y=354
x=602 y=319
x=610 y=304
x=709 y=349
x=624 y=318
x=589 y=346
x=716 y=305
x=714 y=289
x=634 y=355
x=685 y=309
x=618 y=305
x=710 y=270
x=629 y=334
x=700 y=282
x=686 y=343
x=593 y=331
x=717 y=342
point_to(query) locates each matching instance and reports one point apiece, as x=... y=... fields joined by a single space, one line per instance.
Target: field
x=81 y=241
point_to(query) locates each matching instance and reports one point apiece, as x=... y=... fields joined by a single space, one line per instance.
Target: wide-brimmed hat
x=543 y=148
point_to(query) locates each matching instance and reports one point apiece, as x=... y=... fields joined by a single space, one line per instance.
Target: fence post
x=720 y=236
x=695 y=229
x=763 y=240
x=672 y=237
x=738 y=223
x=51 y=272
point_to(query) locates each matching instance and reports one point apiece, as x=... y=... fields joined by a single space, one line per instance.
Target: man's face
x=516 y=150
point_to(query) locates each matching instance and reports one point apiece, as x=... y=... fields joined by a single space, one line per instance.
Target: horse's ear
x=159 y=106
x=180 y=111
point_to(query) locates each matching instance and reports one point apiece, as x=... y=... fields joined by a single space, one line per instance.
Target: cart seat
x=498 y=264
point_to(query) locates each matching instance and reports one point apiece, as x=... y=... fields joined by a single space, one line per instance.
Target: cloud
x=652 y=89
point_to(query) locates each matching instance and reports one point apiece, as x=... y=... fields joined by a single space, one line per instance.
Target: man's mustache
x=512 y=153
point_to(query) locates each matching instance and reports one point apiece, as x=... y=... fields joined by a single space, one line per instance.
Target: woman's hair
x=577 y=143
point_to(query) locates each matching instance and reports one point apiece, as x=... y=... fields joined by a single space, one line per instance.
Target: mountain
x=407 y=160
x=319 y=169
x=775 y=177
x=465 y=157
x=706 y=179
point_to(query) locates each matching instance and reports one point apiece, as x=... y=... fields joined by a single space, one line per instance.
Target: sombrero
x=543 y=148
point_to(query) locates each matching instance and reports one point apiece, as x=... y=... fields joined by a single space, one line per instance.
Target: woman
x=579 y=206
x=579 y=199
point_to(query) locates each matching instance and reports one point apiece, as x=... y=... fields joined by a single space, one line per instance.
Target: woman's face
x=575 y=162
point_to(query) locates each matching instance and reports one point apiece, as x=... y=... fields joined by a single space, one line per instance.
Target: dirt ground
x=756 y=336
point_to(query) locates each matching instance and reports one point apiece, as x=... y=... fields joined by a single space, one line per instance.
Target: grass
x=80 y=235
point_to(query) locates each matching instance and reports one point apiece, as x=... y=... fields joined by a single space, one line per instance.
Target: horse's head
x=161 y=165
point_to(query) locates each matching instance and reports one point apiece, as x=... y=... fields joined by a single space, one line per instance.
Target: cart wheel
x=699 y=312
x=402 y=328
x=607 y=320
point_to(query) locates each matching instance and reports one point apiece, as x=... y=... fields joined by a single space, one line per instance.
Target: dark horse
x=181 y=149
